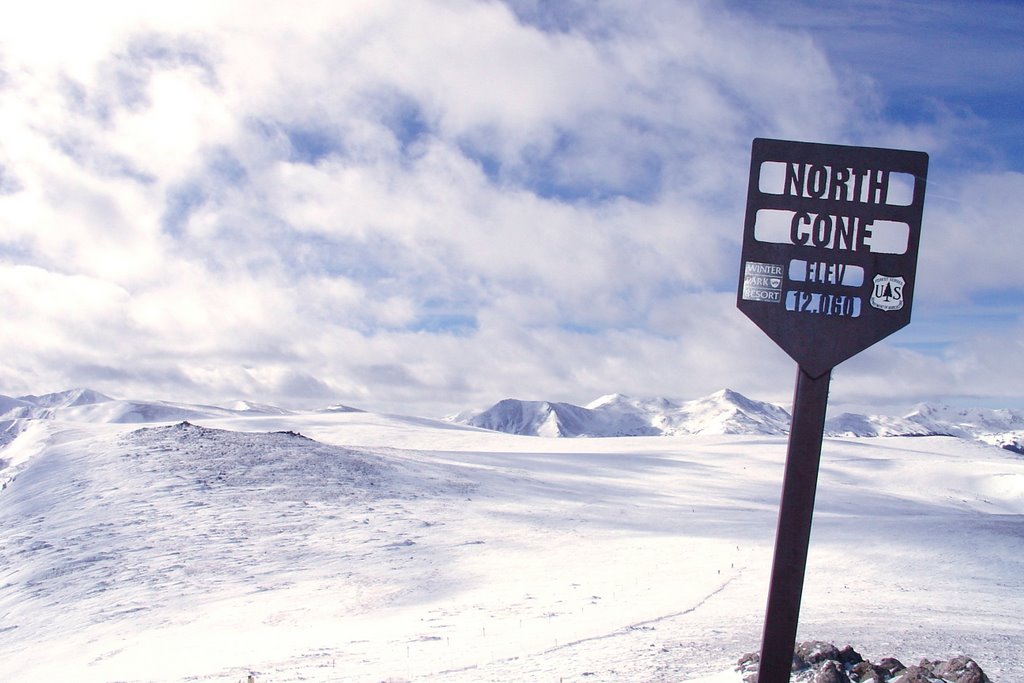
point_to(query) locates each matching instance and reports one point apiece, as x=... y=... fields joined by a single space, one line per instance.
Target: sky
x=423 y=206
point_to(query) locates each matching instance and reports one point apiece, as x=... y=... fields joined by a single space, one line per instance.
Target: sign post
x=829 y=260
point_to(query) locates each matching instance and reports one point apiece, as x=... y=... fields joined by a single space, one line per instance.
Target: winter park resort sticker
x=762 y=282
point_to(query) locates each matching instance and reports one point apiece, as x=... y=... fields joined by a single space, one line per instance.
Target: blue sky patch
x=310 y=145
x=459 y=324
x=181 y=202
x=407 y=121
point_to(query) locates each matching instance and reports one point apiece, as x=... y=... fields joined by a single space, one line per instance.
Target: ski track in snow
x=377 y=548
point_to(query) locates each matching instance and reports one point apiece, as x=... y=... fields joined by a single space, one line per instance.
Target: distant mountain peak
x=66 y=399
x=531 y=418
x=340 y=408
x=728 y=394
x=609 y=399
x=244 y=406
x=724 y=412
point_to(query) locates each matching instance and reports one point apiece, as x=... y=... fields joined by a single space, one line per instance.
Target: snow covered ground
x=347 y=546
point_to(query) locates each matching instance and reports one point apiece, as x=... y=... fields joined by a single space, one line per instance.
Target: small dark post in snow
x=830 y=244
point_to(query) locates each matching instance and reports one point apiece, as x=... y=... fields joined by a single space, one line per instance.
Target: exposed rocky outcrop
x=816 y=661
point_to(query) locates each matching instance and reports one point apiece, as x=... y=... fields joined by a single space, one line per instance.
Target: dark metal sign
x=829 y=261
x=830 y=246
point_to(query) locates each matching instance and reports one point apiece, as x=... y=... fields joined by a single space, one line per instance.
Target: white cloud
x=973 y=235
x=416 y=205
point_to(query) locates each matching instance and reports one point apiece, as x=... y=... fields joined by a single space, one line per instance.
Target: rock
x=848 y=656
x=831 y=672
x=961 y=670
x=747 y=666
x=866 y=672
x=891 y=666
x=917 y=674
x=815 y=651
x=816 y=661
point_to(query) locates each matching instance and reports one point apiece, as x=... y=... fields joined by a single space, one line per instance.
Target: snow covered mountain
x=724 y=412
x=339 y=408
x=967 y=421
x=86 y=405
x=729 y=412
x=548 y=418
x=855 y=424
x=64 y=399
x=347 y=546
x=998 y=427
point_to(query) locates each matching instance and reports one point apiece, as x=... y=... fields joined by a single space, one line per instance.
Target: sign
x=829 y=259
x=830 y=245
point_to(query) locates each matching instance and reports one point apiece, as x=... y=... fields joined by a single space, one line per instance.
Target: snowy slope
x=9 y=430
x=208 y=552
x=65 y=399
x=257 y=408
x=86 y=405
x=957 y=421
x=339 y=408
x=998 y=427
x=853 y=424
x=724 y=412
x=47 y=405
x=9 y=404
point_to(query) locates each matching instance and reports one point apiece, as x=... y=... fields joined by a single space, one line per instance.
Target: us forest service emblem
x=887 y=294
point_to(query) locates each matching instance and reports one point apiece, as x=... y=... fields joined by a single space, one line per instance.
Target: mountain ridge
x=723 y=412
x=730 y=412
